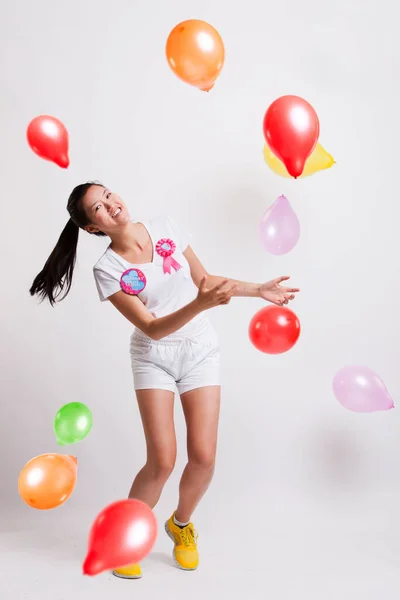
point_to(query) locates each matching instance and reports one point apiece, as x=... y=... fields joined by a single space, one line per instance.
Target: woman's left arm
x=271 y=291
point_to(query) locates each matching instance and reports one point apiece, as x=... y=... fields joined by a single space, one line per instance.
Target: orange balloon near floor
x=48 y=480
x=195 y=52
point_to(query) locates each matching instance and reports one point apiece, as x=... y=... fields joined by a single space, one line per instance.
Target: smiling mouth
x=116 y=212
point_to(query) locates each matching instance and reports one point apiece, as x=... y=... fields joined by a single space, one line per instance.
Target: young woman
x=152 y=276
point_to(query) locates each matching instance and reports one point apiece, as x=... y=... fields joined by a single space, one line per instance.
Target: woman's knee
x=162 y=466
x=203 y=459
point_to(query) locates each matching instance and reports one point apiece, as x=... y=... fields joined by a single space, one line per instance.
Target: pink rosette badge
x=165 y=248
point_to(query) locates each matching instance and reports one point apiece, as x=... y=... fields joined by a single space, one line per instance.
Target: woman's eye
x=108 y=195
x=97 y=207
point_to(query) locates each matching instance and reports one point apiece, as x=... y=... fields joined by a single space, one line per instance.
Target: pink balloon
x=361 y=390
x=279 y=227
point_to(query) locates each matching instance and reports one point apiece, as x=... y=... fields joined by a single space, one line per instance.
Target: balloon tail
x=92 y=565
x=63 y=161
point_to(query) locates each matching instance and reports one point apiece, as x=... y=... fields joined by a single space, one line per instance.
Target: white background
x=304 y=502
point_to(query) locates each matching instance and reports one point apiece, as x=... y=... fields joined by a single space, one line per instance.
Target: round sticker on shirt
x=133 y=281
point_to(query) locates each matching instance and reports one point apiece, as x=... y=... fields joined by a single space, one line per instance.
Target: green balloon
x=72 y=423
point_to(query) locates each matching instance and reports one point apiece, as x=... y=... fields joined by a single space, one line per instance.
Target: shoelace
x=189 y=535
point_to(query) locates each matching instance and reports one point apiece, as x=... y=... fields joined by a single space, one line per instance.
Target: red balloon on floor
x=291 y=130
x=48 y=137
x=274 y=329
x=122 y=534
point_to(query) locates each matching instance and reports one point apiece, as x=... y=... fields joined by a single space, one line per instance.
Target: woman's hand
x=273 y=292
x=219 y=294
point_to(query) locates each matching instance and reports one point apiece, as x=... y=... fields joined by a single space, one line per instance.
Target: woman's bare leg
x=201 y=409
x=157 y=412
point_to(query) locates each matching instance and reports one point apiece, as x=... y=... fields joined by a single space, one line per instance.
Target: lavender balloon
x=361 y=390
x=279 y=227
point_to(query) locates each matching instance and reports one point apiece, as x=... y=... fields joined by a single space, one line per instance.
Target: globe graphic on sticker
x=133 y=281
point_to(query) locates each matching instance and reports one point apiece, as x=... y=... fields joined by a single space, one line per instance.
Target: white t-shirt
x=163 y=285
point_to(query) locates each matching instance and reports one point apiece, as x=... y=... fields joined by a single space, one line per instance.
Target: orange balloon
x=48 y=480
x=196 y=54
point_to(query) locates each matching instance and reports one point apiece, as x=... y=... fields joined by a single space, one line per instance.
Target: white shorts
x=176 y=361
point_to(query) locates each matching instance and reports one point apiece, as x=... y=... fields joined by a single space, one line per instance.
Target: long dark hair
x=56 y=275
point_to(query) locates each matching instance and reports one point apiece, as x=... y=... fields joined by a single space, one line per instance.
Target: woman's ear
x=91 y=229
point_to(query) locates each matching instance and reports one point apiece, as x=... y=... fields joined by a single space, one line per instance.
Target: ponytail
x=56 y=275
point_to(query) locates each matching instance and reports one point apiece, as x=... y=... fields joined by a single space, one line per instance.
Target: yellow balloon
x=319 y=160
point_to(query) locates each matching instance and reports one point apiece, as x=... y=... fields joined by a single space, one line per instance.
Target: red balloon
x=48 y=137
x=291 y=130
x=123 y=533
x=274 y=329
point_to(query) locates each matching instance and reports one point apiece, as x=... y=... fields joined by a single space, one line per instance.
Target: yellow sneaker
x=130 y=572
x=185 y=551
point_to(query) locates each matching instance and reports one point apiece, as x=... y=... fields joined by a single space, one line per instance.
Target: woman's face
x=105 y=210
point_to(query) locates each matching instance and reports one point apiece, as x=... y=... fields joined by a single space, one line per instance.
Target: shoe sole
x=169 y=534
x=126 y=576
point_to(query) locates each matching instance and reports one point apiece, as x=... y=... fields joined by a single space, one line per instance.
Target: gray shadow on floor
x=334 y=459
x=59 y=546
x=160 y=558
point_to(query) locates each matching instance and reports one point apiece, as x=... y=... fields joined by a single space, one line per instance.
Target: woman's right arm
x=134 y=310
